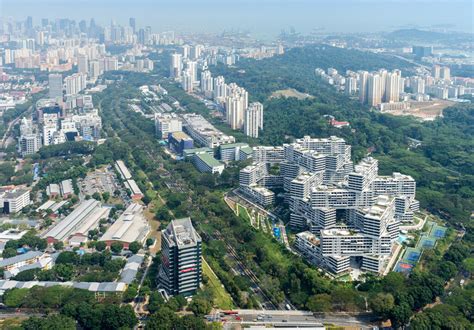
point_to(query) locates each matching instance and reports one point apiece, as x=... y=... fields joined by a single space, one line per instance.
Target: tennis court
x=426 y=242
x=411 y=255
x=438 y=231
x=403 y=267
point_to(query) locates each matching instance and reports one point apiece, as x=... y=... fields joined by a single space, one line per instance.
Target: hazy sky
x=261 y=17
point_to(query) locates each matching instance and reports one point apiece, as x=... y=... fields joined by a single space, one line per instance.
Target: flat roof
x=180 y=136
x=197 y=150
x=233 y=145
x=182 y=233
x=247 y=150
x=208 y=159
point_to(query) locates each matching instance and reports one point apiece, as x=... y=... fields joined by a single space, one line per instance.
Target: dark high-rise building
x=181 y=266
x=422 y=51
x=29 y=23
x=132 y=23
x=83 y=26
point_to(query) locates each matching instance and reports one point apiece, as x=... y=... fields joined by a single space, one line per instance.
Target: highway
x=294 y=318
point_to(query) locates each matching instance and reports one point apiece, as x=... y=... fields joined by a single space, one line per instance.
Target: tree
x=67 y=257
x=115 y=317
x=149 y=242
x=446 y=270
x=156 y=302
x=319 y=303
x=200 y=306
x=54 y=321
x=100 y=246
x=26 y=275
x=130 y=293
x=134 y=247
x=116 y=247
x=89 y=316
x=106 y=196
x=8 y=253
x=64 y=272
x=164 y=318
x=190 y=322
x=97 y=196
x=344 y=298
x=163 y=214
x=14 y=297
x=59 y=245
x=468 y=265
x=382 y=304
x=400 y=315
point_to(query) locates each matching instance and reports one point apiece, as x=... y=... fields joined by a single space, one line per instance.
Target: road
x=240 y=268
x=10 y=126
x=255 y=281
x=409 y=61
x=295 y=318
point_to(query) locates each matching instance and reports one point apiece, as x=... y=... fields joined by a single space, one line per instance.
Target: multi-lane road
x=293 y=318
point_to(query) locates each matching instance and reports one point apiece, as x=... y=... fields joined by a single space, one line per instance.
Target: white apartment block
x=14 y=200
x=354 y=212
x=253 y=119
x=167 y=123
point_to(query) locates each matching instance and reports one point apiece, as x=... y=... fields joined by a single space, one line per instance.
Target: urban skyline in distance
x=264 y=18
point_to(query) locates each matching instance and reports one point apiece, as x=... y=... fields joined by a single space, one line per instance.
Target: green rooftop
x=233 y=145
x=191 y=152
x=247 y=150
x=208 y=159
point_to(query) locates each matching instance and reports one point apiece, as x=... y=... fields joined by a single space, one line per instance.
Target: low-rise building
x=206 y=163
x=78 y=223
x=131 y=226
x=66 y=188
x=20 y=260
x=11 y=234
x=189 y=153
x=135 y=192
x=123 y=170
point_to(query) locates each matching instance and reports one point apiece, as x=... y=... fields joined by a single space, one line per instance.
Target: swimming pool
x=402 y=238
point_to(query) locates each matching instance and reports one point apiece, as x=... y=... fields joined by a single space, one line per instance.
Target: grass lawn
x=222 y=299
x=243 y=212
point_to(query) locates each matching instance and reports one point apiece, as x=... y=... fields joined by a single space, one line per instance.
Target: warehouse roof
x=129 y=227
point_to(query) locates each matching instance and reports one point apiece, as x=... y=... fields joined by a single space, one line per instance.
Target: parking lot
x=101 y=180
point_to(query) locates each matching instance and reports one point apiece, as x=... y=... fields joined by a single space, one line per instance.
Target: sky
x=265 y=18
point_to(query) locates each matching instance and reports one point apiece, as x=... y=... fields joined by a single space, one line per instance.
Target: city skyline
x=264 y=19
